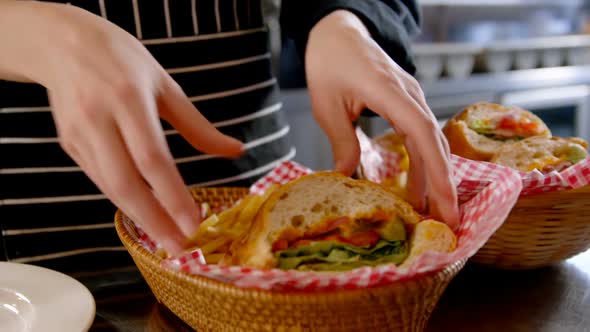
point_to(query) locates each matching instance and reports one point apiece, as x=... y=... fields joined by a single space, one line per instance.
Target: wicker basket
x=541 y=230
x=209 y=305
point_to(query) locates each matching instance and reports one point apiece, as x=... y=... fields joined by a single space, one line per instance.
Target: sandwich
x=545 y=154
x=328 y=222
x=480 y=130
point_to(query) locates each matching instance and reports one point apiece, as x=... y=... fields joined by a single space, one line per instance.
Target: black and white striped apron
x=217 y=50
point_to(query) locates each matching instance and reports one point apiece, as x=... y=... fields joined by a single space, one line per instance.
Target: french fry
x=226 y=260
x=248 y=211
x=214 y=258
x=210 y=226
x=161 y=253
x=213 y=245
x=270 y=190
x=237 y=210
x=224 y=248
x=211 y=221
x=246 y=215
x=227 y=216
x=218 y=232
x=205 y=210
x=250 y=208
x=202 y=232
x=234 y=233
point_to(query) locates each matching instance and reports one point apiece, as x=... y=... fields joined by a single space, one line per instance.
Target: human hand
x=107 y=95
x=347 y=72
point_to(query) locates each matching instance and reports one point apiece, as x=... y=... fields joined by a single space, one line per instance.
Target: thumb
x=333 y=119
x=177 y=109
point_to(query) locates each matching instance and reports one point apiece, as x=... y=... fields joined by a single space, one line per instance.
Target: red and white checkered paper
x=377 y=164
x=492 y=192
x=374 y=154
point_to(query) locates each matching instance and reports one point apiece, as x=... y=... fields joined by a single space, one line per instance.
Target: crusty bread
x=430 y=235
x=578 y=140
x=467 y=143
x=537 y=152
x=306 y=203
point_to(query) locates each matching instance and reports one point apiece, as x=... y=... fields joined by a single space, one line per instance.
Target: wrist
x=340 y=21
x=26 y=53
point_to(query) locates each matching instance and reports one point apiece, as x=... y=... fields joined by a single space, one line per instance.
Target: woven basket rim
x=263 y=294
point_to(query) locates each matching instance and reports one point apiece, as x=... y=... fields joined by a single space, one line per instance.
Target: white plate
x=35 y=299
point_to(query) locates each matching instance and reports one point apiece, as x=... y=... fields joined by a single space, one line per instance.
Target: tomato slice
x=530 y=127
x=379 y=216
x=361 y=239
x=280 y=245
x=507 y=123
x=525 y=128
x=369 y=238
x=326 y=227
x=300 y=243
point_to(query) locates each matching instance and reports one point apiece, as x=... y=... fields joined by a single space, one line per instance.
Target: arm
x=391 y=23
x=21 y=42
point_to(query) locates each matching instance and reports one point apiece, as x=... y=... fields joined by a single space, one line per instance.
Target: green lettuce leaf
x=394 y=230
x=480 y=126
x=576 y=153
x=335 y=256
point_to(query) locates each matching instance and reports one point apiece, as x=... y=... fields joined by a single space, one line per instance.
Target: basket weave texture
x=541 y=230
x=209 y=305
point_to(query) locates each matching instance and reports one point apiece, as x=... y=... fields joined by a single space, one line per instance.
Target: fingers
x=177 y=109
x=416 y=179
x=140 y=128
x=333 y=119
x=447 y=209
x=85 y=161
x=443 y=210
x=445 y=144
x=399 y=107
x=126 y=187
x=93 y=140
x=414 y=90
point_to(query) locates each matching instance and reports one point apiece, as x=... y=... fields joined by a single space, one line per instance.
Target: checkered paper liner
x=487 y=209
x=375 y=154
x=378 y=164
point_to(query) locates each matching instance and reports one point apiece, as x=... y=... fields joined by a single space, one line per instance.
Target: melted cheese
x=545 y=162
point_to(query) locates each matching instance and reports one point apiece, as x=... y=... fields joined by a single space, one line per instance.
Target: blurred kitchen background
x=530 y=53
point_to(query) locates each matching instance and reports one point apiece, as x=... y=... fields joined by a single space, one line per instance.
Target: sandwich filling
x=344 y=244
x=506 y=126
x=561 y=160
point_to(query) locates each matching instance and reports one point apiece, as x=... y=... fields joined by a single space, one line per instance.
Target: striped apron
x=52 y=215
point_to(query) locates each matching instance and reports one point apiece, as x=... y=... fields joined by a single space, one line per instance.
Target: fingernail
x=240 y=148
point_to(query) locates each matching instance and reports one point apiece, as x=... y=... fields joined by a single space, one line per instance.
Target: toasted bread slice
x=542 y=153
x=470 y=139
x=306 y=204
x=430 y=235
